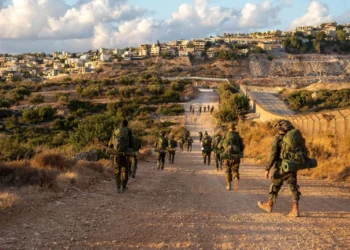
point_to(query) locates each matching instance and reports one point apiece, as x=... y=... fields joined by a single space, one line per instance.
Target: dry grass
x=52 y=159
x=331 y=152
x=8 y=200
x=20 y=173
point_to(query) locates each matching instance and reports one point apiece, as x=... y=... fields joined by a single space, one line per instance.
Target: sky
x=81 y=25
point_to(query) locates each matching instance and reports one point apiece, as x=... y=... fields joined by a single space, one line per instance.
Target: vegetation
x=305 y=100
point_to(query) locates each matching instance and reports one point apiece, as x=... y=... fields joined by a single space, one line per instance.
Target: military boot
x=295 y=210
x=266 y=206
x=228 y=186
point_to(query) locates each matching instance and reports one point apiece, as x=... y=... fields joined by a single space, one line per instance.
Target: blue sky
x=78 y=25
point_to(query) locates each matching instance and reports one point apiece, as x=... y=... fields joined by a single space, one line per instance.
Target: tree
x=37 y=99
x=341 y=35
x=321 y=36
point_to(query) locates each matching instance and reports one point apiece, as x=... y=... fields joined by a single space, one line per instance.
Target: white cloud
x=116 y=23
x=317 y=13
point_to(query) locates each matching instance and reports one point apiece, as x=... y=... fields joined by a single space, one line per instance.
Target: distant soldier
x=200 y=136
x=233 y=147
x=208 y=107
x=217 y=151
x=206 y=148
x=193 y=111
x=120 y=142
x=136 y=145
x=288 y=146
x=205 y=109
x=187 y=134
x=200 y=110
x=190 y=107
x=161 y=147
x=212 y=110
x=189 y=144
x=181 y=144
x=172 y=144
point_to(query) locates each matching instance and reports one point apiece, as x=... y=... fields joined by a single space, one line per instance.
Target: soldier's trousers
x=181 y=147
x=133 y=161
x=218 y=160
x=121 y=165
x=232 y=169
x=161 y=159
x=171 y=156
x=206 y=157
x=189 y=147
x=278 y=178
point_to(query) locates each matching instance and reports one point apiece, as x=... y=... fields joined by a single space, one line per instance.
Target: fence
x=337 y=121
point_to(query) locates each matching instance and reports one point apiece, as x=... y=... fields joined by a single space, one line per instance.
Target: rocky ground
x=184 y=206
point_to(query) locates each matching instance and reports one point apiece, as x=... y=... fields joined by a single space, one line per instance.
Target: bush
x=52 y=160
x=172 y=95
x=175 y=109
x=20 y=173
x=11 y=149
x=62 y=97
x=37 y=99
x=91 y=91
x=36 y=115
x=155 y=89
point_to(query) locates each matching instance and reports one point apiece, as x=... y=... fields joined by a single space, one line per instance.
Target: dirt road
x=185 y=206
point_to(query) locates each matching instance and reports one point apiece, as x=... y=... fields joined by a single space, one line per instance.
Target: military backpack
x=162 y=143
x=172 y=143
x=120 y=139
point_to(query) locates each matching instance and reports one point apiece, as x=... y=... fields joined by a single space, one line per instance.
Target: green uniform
x=217 y=151
x=232 y=165
x=171 y=150
x=161 y=145
x=181 y=144
x=279 y=176
x=189 y=144
x=206 y=149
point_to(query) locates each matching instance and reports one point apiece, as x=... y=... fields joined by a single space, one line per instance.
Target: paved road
x=270 y=102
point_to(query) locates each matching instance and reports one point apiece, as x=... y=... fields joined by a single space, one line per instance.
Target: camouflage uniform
x=232 y=165
x=171 y=152
x=279 y=176
x=200 y=136
x=189 y=144
x=217 y=151
x=121 y=163
x=162 y=152
x=206 y=153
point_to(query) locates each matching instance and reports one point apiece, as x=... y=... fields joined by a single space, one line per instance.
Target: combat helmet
x=283 y=126
x=162 y=133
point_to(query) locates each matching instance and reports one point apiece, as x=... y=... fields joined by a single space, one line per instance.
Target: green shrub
x=172 y=95
x=155 y=89
x=11 y=149
x=37 y=99
x=175 y=109
x=35 y=115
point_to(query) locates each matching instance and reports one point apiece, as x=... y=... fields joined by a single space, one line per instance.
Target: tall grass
x=331 y=151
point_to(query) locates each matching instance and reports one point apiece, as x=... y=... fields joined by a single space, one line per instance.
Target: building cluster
x=36 y=67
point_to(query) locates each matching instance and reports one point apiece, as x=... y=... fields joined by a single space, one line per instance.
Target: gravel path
x=184 y=206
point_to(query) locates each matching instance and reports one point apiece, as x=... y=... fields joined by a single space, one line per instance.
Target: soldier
x=136 y=145
x=232 y=145
x=208 y=107
x=200 y=110
x=120 y=142
x=189 y=144
x=161 y=147
x=205 y=109
x=206 y=148
x=193 y=111
x=181 y=144
x=217 y=151
x=172 y=144
x=190 y=107
x=280 y=152
x=200 y=136
x=212 y=110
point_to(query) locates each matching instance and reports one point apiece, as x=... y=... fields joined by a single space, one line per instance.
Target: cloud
x=260 y=15
x=317 y=13
x=117 y=23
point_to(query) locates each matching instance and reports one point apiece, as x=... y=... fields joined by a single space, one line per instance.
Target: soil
x=184 y=206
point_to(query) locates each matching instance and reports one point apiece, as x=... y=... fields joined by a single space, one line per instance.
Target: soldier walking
x=120 y=142
x=172 y=144
x=200 y=136
x=136 y=145
x=206 y=148
x=212 y=110
x=217 y=151
x=205 y=109
x=200 y=110
x=181 y=144
x=208 y=107
x=190 y=107
x=161 y=147
x=189 y=144
x=282 y=150
x=233 y=146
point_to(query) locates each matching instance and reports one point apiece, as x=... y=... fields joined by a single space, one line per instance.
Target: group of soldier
x=228 y=150
x=204 y=109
